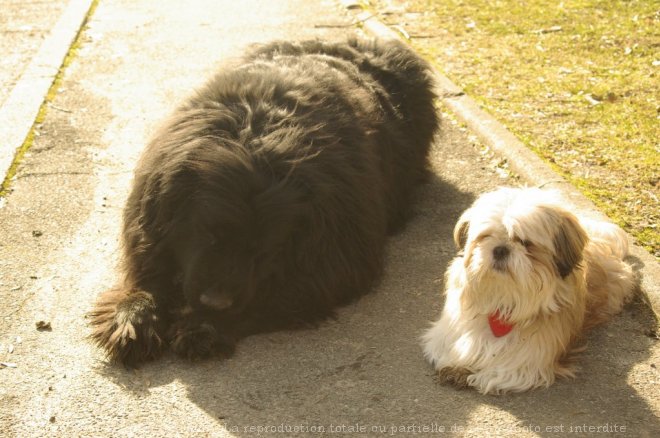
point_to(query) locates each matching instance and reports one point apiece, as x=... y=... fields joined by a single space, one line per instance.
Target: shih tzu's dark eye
x=526 y=243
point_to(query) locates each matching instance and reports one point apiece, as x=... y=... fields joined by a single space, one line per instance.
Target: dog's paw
x=196 y=340
x=455 y=376
x=127 y=325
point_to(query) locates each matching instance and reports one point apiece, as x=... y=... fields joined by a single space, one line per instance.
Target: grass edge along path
x=5 y=187
x=576 y=81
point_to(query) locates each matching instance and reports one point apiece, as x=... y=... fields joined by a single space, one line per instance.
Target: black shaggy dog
x=265 y=200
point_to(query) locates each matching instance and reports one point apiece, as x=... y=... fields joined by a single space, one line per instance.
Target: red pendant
x=498 y=326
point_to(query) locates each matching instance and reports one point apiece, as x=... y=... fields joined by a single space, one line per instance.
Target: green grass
x=575 y=80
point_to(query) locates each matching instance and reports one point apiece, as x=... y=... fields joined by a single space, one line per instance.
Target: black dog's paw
x=196 y=340
x=455 y=376
x=127 y=325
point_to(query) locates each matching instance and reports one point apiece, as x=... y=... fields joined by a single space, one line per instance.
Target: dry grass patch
x=576 y=80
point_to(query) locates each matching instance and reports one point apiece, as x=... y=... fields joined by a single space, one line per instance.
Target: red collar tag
x=498 y=326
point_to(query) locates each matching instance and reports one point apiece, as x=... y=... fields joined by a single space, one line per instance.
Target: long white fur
x=548 y=311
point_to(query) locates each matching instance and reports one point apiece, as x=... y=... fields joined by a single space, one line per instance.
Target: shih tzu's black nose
x=500 y=252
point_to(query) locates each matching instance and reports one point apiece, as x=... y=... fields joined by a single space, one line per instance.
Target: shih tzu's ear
x=569 y=240
x=461 y=229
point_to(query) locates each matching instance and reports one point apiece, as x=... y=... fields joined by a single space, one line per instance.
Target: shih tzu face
x=516 y=247
x=530 y=276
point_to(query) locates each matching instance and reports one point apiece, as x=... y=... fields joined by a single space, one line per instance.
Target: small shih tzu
x=530 y=279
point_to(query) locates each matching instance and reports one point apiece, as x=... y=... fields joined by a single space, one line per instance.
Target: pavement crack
x=40 y=174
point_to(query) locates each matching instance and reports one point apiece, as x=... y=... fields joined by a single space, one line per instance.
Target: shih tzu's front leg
x=513 y=378
x=454 y=376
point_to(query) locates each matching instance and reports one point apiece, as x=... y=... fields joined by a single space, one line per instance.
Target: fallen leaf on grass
x=594 y=100
x=7 y=365
x=43 y=326
x=548 y=30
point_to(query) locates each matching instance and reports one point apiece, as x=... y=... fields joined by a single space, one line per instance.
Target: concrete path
x=33 y=57
x=23 y=28
x=363 y=372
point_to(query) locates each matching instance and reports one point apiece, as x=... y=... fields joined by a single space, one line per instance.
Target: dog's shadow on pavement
x=364 y=367
x=364 y=372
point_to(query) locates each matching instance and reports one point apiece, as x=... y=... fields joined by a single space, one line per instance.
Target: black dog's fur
x=265 y=201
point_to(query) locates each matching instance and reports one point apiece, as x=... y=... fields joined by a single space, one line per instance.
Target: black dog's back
x=265 y=200
x=399 y=79
x=404 y=80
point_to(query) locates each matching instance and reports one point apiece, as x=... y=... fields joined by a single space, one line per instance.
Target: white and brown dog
x=531 y=277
